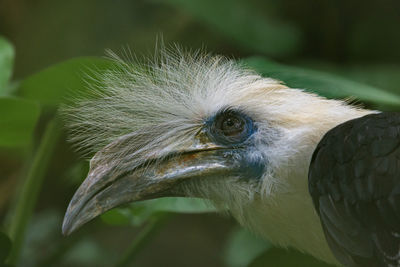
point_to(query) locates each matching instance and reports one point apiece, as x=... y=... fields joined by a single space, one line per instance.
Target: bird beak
x=108 y=185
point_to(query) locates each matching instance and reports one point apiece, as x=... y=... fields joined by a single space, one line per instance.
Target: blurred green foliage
x=5 y=247
x=276 y=257
x=138 y=213
x=243 y=247
x=254 y=33
x=53 y=85
x=19 y=122
x=6 y=64
x=325 y=84
x=338 y=49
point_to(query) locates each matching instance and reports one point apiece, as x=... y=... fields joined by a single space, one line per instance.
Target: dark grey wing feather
x=354 y=181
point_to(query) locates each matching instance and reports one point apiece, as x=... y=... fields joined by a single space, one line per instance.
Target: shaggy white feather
x=165 y=103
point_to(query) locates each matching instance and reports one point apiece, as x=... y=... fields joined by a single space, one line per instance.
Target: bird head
x=193 y=125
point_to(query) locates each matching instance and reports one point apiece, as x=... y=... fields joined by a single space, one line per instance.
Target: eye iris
x=232 y=126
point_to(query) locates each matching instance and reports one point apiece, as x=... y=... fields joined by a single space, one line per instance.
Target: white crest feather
x=163 y=99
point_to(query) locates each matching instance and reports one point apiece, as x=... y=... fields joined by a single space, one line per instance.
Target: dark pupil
x=232 y=126
x=230 y=122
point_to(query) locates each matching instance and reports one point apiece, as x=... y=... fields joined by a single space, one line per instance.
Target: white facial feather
x=166 y=102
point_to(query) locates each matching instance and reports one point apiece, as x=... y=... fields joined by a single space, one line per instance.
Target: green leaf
x=177 y=204
x=25 y=201
x=325 y=84
x=277 y=257
x=53 y=85
x=5 y=247
x=6 y=63
x=18 y=118
x=384 y=76
x=139 y=212
x=245 y=25
x=119 y=216
x=243 y=247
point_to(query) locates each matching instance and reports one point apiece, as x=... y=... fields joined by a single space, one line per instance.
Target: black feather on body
x=354 y=181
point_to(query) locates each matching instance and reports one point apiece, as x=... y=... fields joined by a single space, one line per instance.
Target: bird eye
x=231 y=127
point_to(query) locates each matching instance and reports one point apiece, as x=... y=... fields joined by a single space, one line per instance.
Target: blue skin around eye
x=250 y=167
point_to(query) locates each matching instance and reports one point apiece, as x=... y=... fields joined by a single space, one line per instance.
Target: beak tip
x=69 y=224
x=66 y=227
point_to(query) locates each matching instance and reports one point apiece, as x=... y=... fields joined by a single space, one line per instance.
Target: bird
x=302 y=171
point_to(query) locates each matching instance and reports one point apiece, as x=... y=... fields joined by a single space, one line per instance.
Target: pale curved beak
x=107 y=186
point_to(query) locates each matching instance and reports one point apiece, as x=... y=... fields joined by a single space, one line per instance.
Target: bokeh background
x=357 y=40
